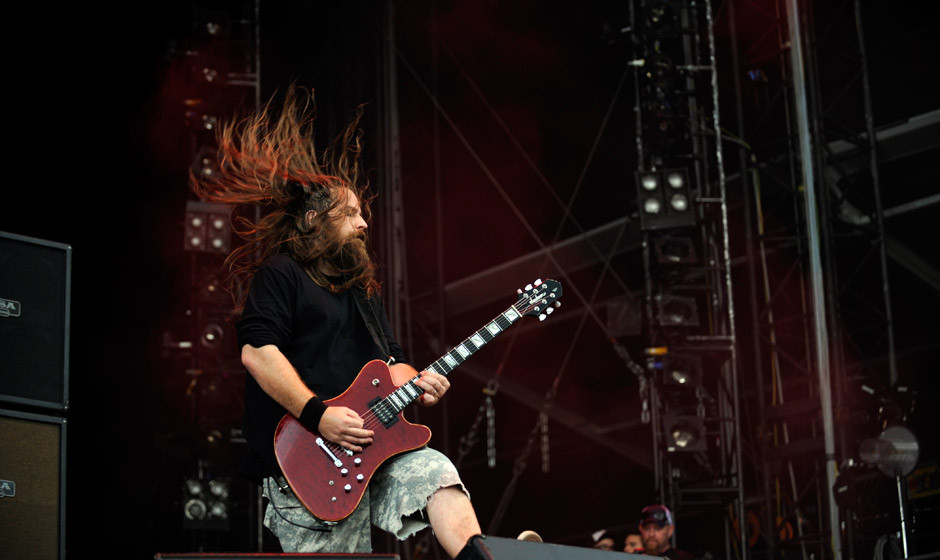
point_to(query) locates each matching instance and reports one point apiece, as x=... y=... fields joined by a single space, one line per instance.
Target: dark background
x=99 y=159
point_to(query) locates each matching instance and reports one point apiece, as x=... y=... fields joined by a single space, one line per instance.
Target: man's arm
x=278 y=378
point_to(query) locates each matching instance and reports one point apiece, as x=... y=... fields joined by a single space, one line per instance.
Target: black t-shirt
x=322 y=334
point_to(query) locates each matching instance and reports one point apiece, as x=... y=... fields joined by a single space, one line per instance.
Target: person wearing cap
x=605 y=539
x=656 y=528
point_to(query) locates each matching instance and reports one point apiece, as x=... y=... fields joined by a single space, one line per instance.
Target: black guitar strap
x=371 y=317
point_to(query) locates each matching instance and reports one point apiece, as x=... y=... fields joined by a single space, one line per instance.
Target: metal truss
x=808 y=121
x=701 y=476
x=592 y=252
x=220 y=62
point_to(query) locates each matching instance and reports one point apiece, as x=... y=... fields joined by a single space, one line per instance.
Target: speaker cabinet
x=35 y=285
x=497 y=548
x=293 y=556
x=501 y=548
x=32 y=486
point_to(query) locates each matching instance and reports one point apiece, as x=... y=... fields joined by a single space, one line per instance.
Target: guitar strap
x=371 y=317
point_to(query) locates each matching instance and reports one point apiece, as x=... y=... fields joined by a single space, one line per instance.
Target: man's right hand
x=343 y=426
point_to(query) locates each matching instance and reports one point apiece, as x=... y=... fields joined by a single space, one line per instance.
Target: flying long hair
x=271 y=163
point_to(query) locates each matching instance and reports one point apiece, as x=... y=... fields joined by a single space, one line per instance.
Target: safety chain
x=490 y=426
x=543 y=420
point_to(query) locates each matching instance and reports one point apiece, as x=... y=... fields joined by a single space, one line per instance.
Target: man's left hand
x=433 y=384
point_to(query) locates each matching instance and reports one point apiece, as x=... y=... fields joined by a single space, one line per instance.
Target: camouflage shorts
x=395 y=502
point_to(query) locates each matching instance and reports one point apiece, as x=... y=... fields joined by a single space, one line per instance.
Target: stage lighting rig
x=208 y=227
x=665 y=199
x=206 y=504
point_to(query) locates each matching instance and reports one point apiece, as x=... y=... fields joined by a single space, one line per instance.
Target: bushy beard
x=351 y=261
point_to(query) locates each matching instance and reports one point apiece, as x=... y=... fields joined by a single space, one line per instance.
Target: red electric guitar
x=330 y=480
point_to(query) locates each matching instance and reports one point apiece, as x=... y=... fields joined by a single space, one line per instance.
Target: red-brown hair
x=271 y=163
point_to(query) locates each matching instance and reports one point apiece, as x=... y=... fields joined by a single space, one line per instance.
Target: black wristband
x=311 y=414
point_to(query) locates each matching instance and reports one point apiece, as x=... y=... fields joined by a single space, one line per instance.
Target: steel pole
x=816 y=269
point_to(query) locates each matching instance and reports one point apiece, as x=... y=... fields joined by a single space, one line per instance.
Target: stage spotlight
x=209 y=289
x=682 y=370
x=676 y=311
x=664 y=125
x=207 y=227
x=684 y=433
x=675 y=250
x=219 y=488
x=206 y=504
x=660 y=18
x=665 y=199
x=195 y=510
x=212 y=336
x=660 y=71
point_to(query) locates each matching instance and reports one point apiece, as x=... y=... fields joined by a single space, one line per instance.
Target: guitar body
x=328 y=480
x=313 y=474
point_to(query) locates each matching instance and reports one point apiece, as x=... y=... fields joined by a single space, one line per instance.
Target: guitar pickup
x=385 y=414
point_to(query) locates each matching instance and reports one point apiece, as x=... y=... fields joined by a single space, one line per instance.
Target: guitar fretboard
x=410 y=391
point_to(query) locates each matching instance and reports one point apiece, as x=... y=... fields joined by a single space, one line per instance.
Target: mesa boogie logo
x=9 y=308
x=7 y=489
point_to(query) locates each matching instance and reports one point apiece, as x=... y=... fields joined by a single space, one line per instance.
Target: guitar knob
x=344 y=471
x=347 y=488
x=357 y=461
x=360 y=478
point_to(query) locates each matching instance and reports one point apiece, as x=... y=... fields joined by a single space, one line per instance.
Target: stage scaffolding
x=816 y=261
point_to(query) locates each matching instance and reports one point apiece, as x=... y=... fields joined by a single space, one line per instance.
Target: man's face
x=347 y=216
x=633 y=543
x=606 y=543
x=655 y=538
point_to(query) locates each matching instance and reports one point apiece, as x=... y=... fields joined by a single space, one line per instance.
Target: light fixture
x=681 y=370
x=664 y=199
x=664 y=121
x=676 y=311
x=207 y=227
x=205 y=164
x=206 y=504
x=660 y=71
x=675 y=250
x=684 y=433
x=660 y=18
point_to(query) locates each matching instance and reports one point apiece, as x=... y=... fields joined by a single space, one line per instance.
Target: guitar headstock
x=539 y=298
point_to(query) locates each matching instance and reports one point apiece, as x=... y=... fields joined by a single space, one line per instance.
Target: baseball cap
x=658 y=514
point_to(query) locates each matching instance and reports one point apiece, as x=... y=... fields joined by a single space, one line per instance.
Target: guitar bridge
x=385 y=413
x=322 y=445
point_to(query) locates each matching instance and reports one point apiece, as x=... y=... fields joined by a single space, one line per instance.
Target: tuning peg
x=557 y=304
x=519 y=291
x=528 y=287
x=538 y=282
x=549 y=310
x=542 y=317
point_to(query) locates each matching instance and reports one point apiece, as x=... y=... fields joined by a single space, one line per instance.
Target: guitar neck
x=459 y=354
x=410 y=391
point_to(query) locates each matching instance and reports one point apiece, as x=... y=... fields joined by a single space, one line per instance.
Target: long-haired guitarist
x=311 y=317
